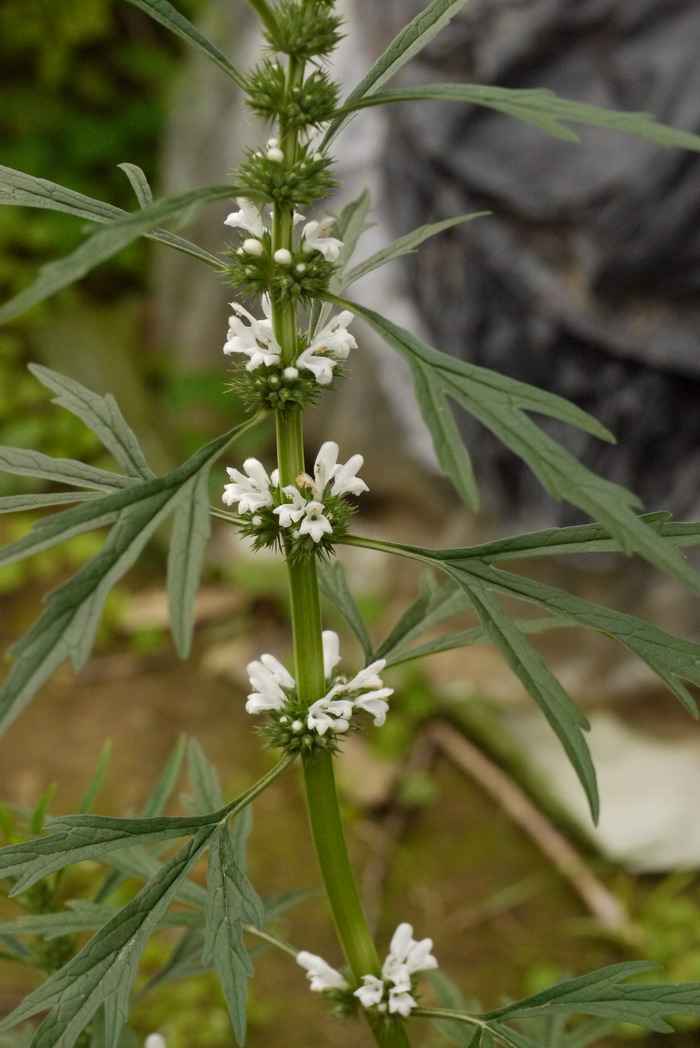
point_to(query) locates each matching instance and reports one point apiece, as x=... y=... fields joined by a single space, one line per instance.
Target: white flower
x=331 y=651
x=269 y=679
x=332 y=343
x=329 y=713
x=248 y=218
x=154 y=1040
x=372 y=694
x=251 y=491
x=401 y=1001
x=252 y=247
x=283 y=257
x=252 y=337
x=291 y=512
x=320 y=975
x=315 y=523
x=372 y=991
x=314 y=237
x=407 y=955
x=375 y=704
x=327 y=470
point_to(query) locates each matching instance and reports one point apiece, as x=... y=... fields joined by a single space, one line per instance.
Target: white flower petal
x=315 y=523
x=331 y=651
x=320 y=975
x=314 y=237
x=248 y=218
x=372 y=991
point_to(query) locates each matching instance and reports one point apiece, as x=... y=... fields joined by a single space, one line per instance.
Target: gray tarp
x=585 y=281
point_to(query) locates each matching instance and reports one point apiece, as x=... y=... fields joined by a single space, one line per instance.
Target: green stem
x=321 y=793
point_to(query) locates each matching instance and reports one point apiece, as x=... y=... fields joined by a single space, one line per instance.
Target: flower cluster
x=393 y=992
x=306 y=515
x=297 y=275
x=293 y=725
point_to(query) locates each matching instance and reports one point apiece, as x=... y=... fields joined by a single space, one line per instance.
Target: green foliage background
x=86 y=84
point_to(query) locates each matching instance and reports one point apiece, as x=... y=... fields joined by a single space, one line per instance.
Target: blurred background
x=584 y=280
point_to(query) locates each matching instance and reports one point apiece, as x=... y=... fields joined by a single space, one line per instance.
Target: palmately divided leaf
x=231 y=901
x=104 y=970
x=565 y=718
x=20 y=503
x=409 y=42
x=67 y=627
x=434 y=604
x=20 y=189
x=539 y=107
x=167 y=15
x=671 y=658
x=75 y=838
x=101 y=415
x=107 y=242
x=601 y=993
x=500 y=403
x=27 y=463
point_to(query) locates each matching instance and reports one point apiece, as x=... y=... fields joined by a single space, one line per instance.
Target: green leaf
x=20 y=189
x=105 y=243
x=28 y=463
x=538 y=107
x=404 y=245
x=671 y=658
x=184 y=962
x=477 y=635
x=231 y=900
x=139 y=183
x=601 y=993
x=101 y=415
x=511 y=1038
x=205 y=781
x=67 y=628
x=104 y=970
x=84 y=916
x=565 y=718
x=434 y=604
x=412 y=39
x=500 y=403
x=334 y=587
x=97 y=778
x=19 y=503
x=451 y=452
x=449 y=995
x=188 y=543
x=167 y=15
x=351 y=223
x=167 y=780
x=75 y=838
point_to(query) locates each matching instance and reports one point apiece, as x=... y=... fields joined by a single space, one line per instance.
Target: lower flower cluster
x=393 y=992
x=305 y=516
x=294 y=726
